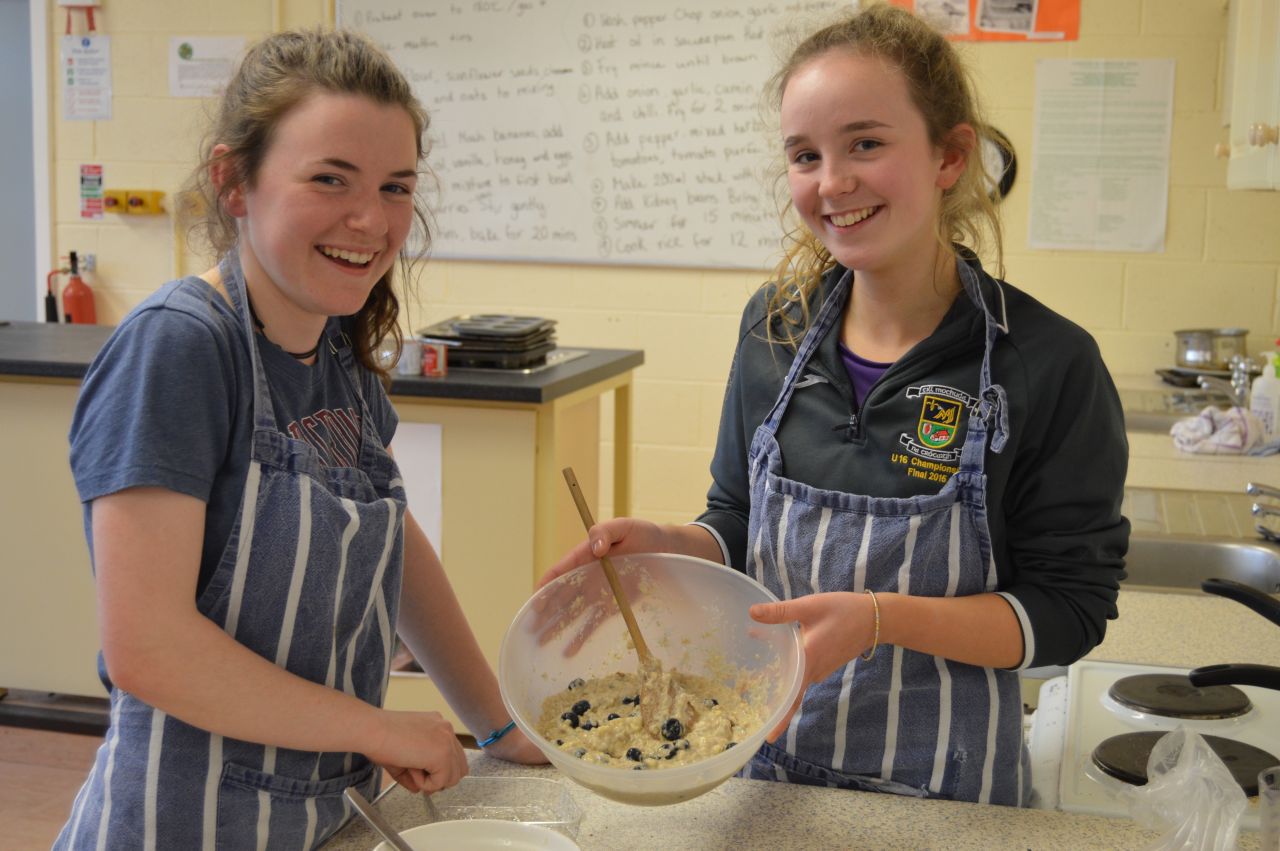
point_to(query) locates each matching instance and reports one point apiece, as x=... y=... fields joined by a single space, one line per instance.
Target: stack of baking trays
x=493 y=340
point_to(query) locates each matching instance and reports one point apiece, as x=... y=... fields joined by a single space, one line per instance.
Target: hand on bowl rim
x=619 y=536
x=584 y=599
x=591 y=595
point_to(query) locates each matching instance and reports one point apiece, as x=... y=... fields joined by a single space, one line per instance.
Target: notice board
x=597 y=131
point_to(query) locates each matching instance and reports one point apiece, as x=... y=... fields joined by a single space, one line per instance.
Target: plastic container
x=410 y=362
x=693 y=615
x=1264 y=396
x=528 y=800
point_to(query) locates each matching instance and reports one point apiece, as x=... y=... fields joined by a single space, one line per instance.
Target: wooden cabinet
x=1253 y=94
x=507 y=512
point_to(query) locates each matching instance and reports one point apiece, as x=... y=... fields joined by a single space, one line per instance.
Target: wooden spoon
x=660 y=698
x=646 y=658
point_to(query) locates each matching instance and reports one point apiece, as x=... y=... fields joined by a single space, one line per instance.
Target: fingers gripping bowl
x=693 y=614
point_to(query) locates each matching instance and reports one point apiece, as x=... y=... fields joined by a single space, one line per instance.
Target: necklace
x=253 y=314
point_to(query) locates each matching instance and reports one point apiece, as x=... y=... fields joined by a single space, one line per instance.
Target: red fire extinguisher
x=77 y=298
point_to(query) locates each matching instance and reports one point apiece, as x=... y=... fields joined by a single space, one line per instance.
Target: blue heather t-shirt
x=168 y=402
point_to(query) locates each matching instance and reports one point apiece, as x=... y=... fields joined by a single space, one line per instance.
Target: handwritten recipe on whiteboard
x=597 y=131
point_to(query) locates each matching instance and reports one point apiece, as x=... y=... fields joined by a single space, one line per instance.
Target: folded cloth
x=1215 y=431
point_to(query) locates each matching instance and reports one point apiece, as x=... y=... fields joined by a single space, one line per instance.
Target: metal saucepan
x=1209 y=348
x=1265 y=676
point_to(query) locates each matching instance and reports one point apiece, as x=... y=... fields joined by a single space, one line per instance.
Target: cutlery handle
x=375 y=818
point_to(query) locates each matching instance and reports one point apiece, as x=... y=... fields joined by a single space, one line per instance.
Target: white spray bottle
x=1264 y=396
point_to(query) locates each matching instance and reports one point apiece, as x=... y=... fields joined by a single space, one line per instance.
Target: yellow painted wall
x=1220 y=266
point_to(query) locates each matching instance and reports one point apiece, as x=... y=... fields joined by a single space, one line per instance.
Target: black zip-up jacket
x=1053 y=493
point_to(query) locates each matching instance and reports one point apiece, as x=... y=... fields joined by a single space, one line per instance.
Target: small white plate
x=483 y=835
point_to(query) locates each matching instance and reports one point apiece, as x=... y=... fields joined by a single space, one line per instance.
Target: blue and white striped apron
x=310 y=579
x=904 y=722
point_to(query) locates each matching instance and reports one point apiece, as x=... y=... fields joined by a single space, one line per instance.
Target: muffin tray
x=494 y=340
x=492 y=328
x=465 y=357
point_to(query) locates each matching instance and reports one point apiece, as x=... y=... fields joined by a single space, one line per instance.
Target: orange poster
x=1001 y=20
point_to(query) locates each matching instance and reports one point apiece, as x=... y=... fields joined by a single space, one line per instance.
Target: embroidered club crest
x=939 y=419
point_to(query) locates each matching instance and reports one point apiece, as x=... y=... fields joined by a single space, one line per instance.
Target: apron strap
x=831 y=309
x=264 y=416
x=993 y=405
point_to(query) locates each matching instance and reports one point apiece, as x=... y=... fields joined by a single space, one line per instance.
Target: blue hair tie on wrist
x=496 y=734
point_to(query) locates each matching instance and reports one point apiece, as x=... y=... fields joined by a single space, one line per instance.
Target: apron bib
x=310 y=579
x=903 y=722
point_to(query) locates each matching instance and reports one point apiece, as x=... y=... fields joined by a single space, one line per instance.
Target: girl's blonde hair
x=944 y=94
x=276 y=75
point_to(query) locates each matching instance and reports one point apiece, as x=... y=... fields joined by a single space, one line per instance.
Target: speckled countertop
x=741 y=814
x=1181 y=630
x=1187 y=631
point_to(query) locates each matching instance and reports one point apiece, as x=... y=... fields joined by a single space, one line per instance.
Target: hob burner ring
x=1173 y=696
x=1125 y=757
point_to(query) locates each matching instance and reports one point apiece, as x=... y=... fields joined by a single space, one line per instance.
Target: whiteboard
x=597 y=131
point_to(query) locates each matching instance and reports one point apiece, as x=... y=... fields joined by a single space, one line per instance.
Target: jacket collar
x=962 y=324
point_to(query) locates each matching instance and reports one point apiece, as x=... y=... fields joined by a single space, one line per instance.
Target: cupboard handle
x=1264 y=134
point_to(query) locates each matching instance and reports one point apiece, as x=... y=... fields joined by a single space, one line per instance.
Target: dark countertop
x=43 y=350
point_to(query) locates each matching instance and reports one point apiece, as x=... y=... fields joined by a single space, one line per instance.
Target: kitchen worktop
x=1183 y=630
x=1154 y=462
x=44 y=350
x=749 y=814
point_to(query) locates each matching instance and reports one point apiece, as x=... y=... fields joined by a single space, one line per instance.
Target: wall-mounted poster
x=1001 y=20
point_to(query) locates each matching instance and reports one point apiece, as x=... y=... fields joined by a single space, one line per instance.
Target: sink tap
x=1263 y=510
x=1229 y=389
x=1255 y=489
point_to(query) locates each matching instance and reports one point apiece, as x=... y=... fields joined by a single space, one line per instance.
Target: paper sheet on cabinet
x=1100 y=154
x=418 y=454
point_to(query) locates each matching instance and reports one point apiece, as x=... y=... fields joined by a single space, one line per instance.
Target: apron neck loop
x=993 y=409
x=993 y=401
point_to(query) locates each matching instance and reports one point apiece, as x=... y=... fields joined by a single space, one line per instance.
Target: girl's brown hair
x=276 y=75
x=943 y=93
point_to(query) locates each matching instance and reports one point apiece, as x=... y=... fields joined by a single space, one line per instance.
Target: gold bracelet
x=875 y=641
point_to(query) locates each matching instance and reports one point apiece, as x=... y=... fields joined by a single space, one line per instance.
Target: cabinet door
x=1255 y=96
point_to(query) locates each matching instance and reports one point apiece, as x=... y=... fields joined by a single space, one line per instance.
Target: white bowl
x=693 y=615
x=482 y=835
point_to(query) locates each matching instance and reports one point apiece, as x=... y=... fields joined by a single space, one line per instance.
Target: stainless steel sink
x=1153 y=421
x=1177 y=563
x=1145 y=412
